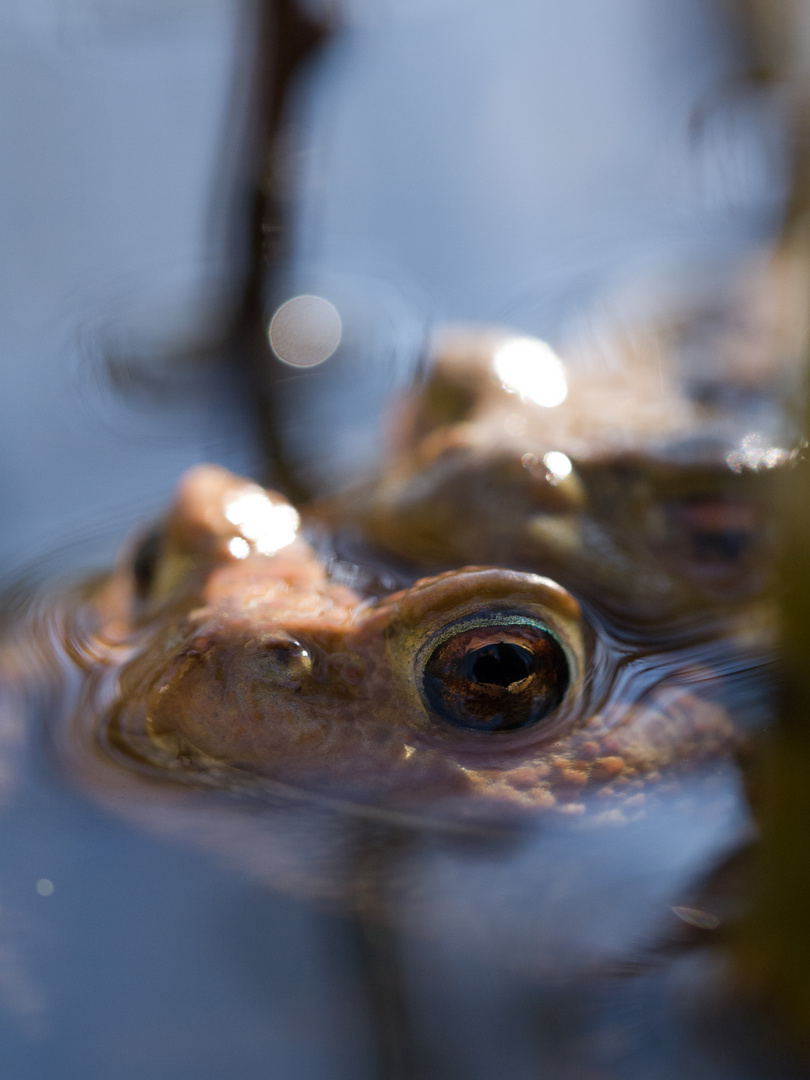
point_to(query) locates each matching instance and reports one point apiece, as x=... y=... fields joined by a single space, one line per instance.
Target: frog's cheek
x=237 y=705
x=277 y=706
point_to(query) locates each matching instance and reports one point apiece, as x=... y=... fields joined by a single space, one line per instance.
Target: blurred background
x=534 y=165
x=529 y=165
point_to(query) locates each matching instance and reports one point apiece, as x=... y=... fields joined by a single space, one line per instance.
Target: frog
x=238 y=652
x=646 y=496
x=552 y=598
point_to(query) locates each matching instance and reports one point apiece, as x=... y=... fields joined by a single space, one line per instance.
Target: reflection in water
x=704 y=920
x=305 y=331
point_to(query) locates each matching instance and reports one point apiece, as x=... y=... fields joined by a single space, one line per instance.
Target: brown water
x=517 y=166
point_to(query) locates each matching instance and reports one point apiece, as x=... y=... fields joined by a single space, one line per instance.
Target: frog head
x=245 y=652
x=613 y=480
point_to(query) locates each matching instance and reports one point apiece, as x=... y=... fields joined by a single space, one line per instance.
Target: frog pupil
x=501 y=664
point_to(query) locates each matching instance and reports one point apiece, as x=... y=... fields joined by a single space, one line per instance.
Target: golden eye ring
x=495 y=672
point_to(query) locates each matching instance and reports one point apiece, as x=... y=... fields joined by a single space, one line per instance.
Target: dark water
x=538 y=166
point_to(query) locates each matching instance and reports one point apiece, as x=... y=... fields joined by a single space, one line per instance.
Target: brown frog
x=242 y=650
x=649 y=499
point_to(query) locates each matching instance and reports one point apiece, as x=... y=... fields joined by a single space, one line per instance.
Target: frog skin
x=647 y=501
x=573 y=607
x=237 y=650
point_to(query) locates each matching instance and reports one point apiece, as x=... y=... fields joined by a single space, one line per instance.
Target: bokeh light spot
x=531 y=368
x=269 y=525
x=305 y=331
x=558 y=464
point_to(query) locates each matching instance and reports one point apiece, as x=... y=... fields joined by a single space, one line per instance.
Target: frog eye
x=715 y=539
x=506 y=673
x=145 y=560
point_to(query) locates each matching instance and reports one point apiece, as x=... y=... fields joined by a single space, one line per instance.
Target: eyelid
x=472 y=622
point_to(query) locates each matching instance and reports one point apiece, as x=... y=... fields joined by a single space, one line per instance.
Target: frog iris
x=496 y=676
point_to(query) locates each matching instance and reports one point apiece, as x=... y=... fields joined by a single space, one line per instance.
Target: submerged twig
x=287 y=40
